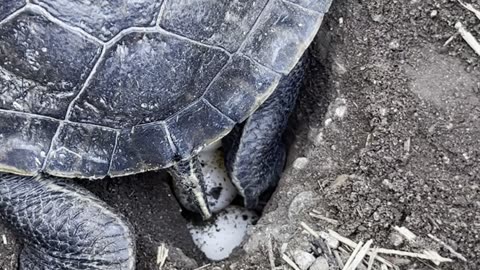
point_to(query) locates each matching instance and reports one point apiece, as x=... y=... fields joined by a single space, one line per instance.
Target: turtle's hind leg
x=255 y=154
x=64 y=226
x=189 y=186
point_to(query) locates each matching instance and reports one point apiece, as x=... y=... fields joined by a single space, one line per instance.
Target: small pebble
x=300 y=163
x=394 y=44
x=434 y=13
x=303 y=259
x=395 y=239
x=333 y=243
x=377 y=18
x=340 y=111
x=321 y=263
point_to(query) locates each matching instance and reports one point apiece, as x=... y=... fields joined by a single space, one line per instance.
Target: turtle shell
x=96 y=88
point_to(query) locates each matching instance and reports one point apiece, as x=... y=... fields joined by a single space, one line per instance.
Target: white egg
x=220 y=190
x=218 y=238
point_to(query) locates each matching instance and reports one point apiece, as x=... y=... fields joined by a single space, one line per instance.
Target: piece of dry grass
x=318 y=215
x=406 y=233
x=359 y=256
x=449 y=248
x=203 y=266
x=360 y=250
x=470 y=8
x=290 y=262
x=352 y=256
x=427 y=255
x=371 y=261
x=309 y=230
x=468 y=37
x=162 y=254
x=271 y=258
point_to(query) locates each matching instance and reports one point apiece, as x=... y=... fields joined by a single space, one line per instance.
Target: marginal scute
x=142 y=148
x=321 y=6
x=282 y=35
x=9 y=6
x=81 y=151
x=147 y=77
x=197 y=126
x=223 y=23
x=24 y=142
x=40 y=72
x=241 y=87
x=103 y=19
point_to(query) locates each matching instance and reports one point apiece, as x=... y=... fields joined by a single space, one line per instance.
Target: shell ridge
x=160 y=13
x=254 y=26
x=206 y=102
x=13 y=15
x=76 y=30
x=52 y=143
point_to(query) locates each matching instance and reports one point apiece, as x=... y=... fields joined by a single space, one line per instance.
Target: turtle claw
x=189 y=186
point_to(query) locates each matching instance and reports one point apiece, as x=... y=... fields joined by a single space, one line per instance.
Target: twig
x=162 y=254
x=409 y=235
x=372 y=258
x=338 y=259
x=352 y=256
x=309 y=230
x=316 y=214
x=468 y=37
x=360 y=255
x=270 y=252
x=352 y=244
x=470 y=8
x=427 y=255
x=454 y=253
x=203 y=266
x=450 y=39
x=290 y=262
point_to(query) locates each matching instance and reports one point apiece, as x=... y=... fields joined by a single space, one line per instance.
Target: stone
x=300 y=163
x=321 y=263
x=303 y=259
x=180 y=260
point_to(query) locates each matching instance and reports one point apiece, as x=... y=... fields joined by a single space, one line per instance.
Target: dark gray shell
x=120 y=87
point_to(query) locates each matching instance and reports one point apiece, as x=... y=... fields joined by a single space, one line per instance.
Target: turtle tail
x=64 y=226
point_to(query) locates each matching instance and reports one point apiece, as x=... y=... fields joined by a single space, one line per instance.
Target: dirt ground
x=389 y=121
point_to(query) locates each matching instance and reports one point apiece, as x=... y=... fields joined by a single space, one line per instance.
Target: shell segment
x=81 y=150
x=279 y=39
x=142 y=148
x=199 y=125
x=24 y=140
x=40 y=73
x=241 y=87
x=103 y=18
x=147 y=77
x=224 y=23
x=8 y=7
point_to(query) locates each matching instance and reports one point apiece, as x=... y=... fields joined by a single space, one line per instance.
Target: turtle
x=97 y=89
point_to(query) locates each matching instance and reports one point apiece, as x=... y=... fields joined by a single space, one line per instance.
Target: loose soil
x=389 y=120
